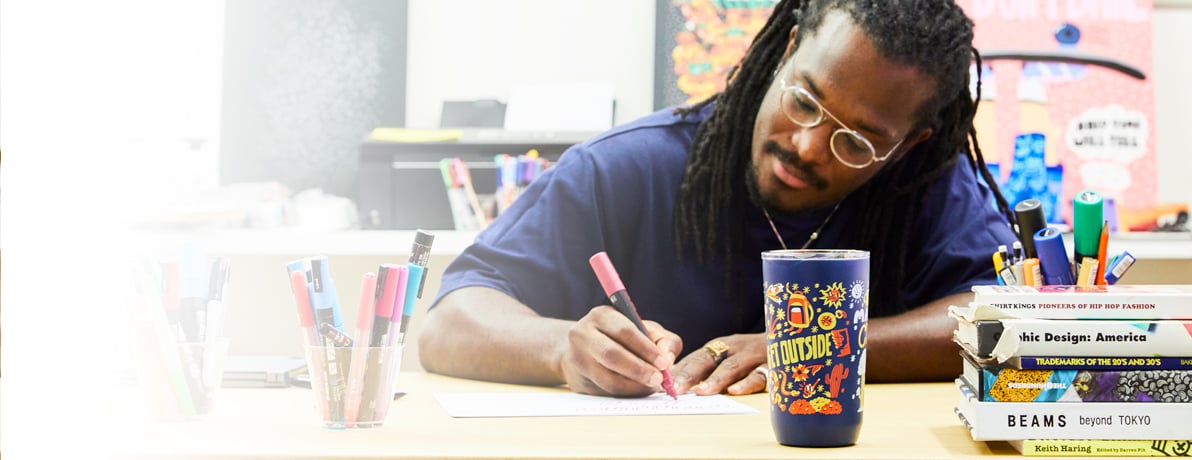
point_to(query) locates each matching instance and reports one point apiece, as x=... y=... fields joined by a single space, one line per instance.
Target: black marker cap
x=420 y=254
x=424 y=238
x=1029 y=214
x=219 y=275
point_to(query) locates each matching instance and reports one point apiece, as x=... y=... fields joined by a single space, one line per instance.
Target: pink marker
x=384 y=311
x=306 y=316
x=459 y=171
x=386 y=290
x=615 y=289
x=306 y=320
x=391 y=353
x=364 y=317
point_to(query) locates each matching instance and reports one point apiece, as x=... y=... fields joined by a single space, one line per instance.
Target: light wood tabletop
x=901 y=421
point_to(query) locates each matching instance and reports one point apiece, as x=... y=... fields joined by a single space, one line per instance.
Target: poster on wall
x=698 y=42
x=1067 y=100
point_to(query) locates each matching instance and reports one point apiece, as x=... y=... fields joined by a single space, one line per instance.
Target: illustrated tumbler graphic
x=817 y=309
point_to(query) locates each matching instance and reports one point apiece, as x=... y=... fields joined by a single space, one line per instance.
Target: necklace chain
x=814 y=235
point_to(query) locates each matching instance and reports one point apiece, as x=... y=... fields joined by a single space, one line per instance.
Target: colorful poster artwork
x=1067 y=100
x=711 y=39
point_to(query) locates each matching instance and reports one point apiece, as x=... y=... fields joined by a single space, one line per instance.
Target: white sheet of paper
x=550 y=404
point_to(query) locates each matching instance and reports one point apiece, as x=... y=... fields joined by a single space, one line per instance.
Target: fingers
x=692 y=370
x=620 y=330
x=755 y=382
x=595 y=379
x=669 y=344
x=700 y=373
x=729 y=371
x=607 y=354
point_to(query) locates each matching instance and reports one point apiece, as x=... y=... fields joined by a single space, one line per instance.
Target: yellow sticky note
x=415 y=135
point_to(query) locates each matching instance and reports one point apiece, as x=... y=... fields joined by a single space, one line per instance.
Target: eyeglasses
x=848 y=146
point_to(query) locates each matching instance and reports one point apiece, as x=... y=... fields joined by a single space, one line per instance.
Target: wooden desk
x=901 y=421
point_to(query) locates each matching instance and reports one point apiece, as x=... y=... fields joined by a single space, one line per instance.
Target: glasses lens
x=801 y=108
x=852 y=149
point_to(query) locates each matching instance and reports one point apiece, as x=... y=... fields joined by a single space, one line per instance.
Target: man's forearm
x=916 y=345
x=481 y=333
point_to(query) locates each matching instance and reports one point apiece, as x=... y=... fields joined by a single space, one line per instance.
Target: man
x=846 y=125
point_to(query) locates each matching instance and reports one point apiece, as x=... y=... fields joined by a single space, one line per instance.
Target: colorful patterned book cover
x=1100 y=362
x=1037 y=385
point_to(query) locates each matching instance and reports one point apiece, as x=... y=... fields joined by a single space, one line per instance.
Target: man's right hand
x=607 y=355
x=481 y=333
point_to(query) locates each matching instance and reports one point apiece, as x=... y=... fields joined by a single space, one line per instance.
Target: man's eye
x=805 y=104
x=855 y=145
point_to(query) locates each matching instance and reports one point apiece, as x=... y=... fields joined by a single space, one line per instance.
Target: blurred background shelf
x=301 y=243
x=1157 y=245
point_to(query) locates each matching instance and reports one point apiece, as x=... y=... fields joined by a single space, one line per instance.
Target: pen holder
x=179 y=380
x=353 y=386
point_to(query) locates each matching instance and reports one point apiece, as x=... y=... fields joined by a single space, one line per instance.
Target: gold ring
x=717 y=349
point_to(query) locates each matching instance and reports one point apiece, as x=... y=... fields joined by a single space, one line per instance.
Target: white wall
x=89 y=89
x=1173 y=96
x=477 y=49
x=98 y=99
x=474 y=49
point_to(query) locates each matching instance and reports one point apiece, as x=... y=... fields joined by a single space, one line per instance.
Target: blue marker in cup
x=1053 y=258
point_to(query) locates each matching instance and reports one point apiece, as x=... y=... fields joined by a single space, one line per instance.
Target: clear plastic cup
x=353 y=386
x=179 y=380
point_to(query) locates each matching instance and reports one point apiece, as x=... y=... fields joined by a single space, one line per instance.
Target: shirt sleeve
x=537 y=250
x=954 y=238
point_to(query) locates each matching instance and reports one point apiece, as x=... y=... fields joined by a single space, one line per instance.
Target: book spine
x=1089 y=302
x=1040 y=337
x=982 y=336
x=1103 y=448
x=1015 y=385
x=1101 y=363
x=1003 y=421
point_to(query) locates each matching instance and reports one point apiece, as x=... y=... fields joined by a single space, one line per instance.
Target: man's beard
x=755 y=192
x=789 y=158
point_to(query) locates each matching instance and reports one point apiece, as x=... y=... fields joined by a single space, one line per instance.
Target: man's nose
x=813 y=144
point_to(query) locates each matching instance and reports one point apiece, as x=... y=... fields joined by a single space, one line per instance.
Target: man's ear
x=790 y=44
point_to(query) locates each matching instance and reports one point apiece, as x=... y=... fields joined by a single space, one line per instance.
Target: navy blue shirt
x=616 y=193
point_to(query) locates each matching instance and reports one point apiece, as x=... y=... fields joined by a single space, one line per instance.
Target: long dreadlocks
x=935 y=37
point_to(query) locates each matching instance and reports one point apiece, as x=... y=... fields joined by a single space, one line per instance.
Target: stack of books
x=1089 y=370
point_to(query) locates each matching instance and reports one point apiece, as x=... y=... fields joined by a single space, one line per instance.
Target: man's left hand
x=736 y=371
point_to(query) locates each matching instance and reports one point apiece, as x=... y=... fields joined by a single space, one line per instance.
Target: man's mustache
x=790 y=158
